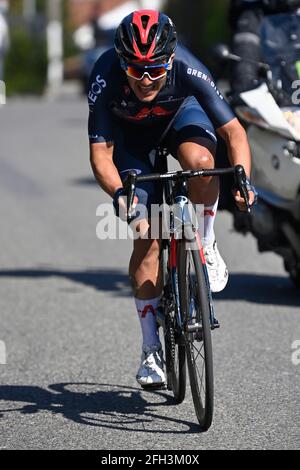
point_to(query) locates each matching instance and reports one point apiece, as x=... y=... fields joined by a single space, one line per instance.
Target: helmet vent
x=145 y=20
x=144 y=48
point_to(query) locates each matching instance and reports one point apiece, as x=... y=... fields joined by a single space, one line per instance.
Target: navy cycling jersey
x=110 y=96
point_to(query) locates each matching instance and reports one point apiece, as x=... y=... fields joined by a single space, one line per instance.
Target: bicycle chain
x=171 y=337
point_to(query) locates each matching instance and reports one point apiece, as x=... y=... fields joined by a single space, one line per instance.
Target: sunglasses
x=154 y=72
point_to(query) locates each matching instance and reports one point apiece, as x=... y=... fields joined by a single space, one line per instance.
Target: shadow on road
x=260 y=289
x=105 y=280
x=257 y=288
x=85 y=181
x=103 y=405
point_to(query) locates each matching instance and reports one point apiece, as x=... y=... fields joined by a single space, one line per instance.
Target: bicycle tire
x=175 y=357
x=198 y=344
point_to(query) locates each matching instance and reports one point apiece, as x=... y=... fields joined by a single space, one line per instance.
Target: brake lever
x=241 y=183
x=129 y=185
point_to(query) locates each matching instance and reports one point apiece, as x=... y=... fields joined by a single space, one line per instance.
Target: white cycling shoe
x=150 y=373
x=217 y=269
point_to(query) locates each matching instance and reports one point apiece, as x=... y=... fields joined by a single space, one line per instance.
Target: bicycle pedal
x=215 y=325
x=194 y=327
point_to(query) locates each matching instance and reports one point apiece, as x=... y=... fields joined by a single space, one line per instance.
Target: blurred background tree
x=26 y=62
x=200 y=23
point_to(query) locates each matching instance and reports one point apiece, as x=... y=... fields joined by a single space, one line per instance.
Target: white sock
x=147 y=315
x=210 y=213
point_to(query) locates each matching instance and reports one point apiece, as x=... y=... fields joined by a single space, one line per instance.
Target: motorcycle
x=270 y=114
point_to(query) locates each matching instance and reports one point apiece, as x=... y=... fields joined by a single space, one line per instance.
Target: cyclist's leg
x=193 y=142
x=134 y=151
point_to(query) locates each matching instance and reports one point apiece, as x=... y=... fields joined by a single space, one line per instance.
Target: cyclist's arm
x=197 y=78
x=239 y=153
x=101 y=127
x=105 y=171
x=237 y=144
x=106 y=174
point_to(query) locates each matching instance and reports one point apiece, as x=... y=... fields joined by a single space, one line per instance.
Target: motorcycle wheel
x=294 y=272
x=295 y=277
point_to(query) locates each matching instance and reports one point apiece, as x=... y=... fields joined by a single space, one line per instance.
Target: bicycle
x=186 y=313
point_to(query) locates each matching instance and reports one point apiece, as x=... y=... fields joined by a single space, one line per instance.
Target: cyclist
x=146 y=91
x=245 y=17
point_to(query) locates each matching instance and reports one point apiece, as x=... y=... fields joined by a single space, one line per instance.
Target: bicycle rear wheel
x=175 y=360
x=195 y=308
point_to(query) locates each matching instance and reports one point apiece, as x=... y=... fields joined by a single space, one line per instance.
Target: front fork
x=182 y=215
x=170 y=301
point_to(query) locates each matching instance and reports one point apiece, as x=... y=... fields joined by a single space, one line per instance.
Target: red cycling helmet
x=146 y=36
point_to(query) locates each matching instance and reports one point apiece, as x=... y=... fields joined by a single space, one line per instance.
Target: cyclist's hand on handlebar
x=240 y=201
x=120 y=203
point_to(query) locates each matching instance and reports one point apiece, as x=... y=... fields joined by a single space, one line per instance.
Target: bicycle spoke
x=199 y=351
x=198 y=372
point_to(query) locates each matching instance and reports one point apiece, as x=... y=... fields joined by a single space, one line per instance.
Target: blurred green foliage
x=16 y=6
x=26 y=63
x=200 y=23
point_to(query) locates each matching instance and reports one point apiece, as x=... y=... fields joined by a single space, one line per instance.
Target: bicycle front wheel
x=195 y=308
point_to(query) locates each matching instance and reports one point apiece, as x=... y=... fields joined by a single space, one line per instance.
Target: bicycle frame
x=176 y=194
